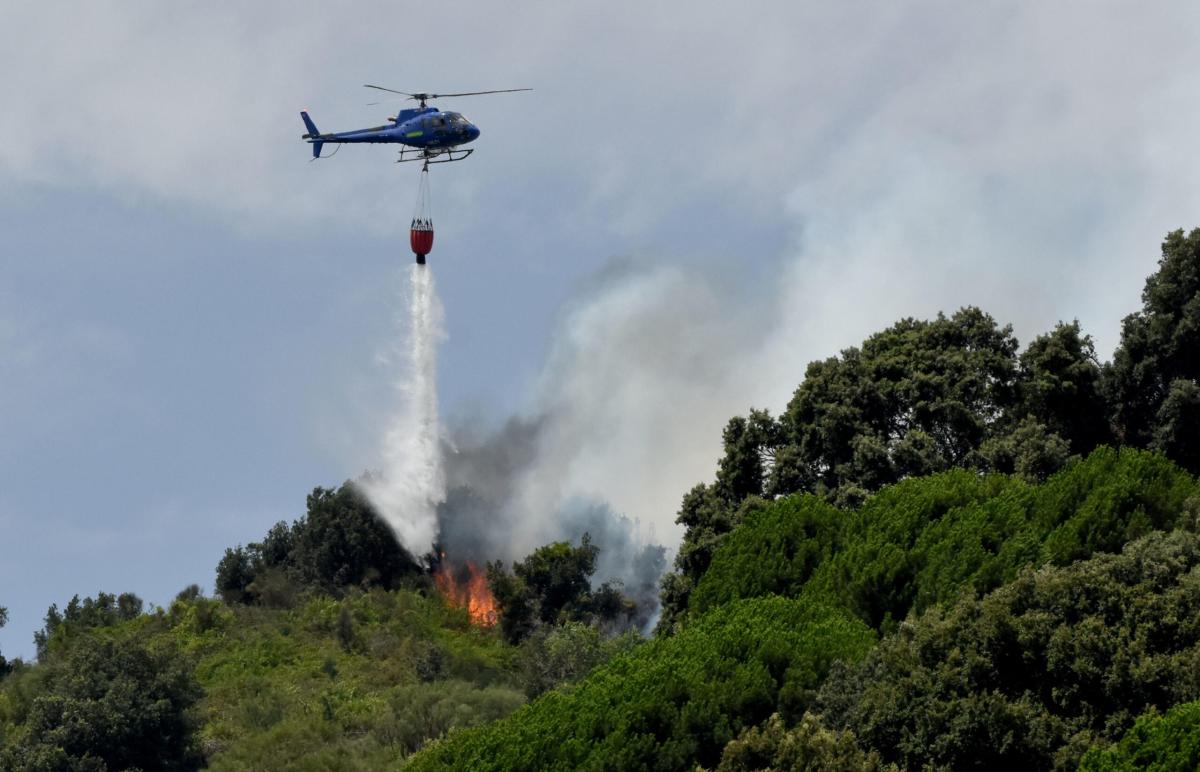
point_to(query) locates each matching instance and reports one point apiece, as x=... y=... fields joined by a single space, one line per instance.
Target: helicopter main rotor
x=421 y=97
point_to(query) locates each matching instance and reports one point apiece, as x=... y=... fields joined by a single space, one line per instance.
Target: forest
x=948 y=551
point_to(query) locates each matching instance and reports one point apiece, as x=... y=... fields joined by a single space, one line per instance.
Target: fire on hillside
x=466 y=587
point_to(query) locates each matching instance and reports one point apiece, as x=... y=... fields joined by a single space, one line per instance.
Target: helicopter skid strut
x=434 y=157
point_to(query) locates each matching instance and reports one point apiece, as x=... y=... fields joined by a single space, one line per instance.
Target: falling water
x=411 y=483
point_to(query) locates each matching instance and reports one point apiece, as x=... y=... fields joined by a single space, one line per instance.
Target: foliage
x=922 y=397
x=1155 y=370
x=923 y=541
x=566 y=653
x=1177 y=424
x=109 y=705
x=340 y=542
x=326 y=684
x=708 y=518
x=78 y=617
x=673 y=702
x=551 y=585
x=1156 y=743
x=1059 y=387
x=1029 y=450
x=1037 y=671
x=773 y=553
x=809 y=746
x=427 y=711
x=916 y=398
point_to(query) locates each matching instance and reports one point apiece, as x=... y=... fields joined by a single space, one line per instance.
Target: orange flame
x=467 y=588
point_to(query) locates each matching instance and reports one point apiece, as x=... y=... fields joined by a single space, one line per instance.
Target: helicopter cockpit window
x=457 y=120
x=436 y=122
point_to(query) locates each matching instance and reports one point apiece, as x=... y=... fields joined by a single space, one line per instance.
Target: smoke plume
x=626 y=417
x=412 y=483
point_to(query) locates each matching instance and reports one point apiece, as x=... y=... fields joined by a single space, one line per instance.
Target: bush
x=566 y=653
x=425 y=712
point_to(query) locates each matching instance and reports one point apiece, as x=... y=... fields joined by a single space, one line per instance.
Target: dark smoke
x=480 y=519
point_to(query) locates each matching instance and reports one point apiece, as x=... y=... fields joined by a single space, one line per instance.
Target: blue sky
x=690 y=206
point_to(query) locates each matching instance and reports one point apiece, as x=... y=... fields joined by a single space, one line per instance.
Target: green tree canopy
x=552 y=585
x=80 y=616
x=916 y=398
x=340 y=542
x=807 y=747
x=671 y=703
x=1036 y=672
x=926 y=540
x=1156 y=368
x=1059 y=387
x=109 y=705
x=1157 y=742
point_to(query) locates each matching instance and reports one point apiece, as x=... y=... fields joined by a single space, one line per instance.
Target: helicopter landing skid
x=434 y=157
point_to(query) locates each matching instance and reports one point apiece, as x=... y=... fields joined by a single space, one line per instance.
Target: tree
x=553 y=585
x=1034 y=673
x=518 y=611
x=750 y=445
x=563 y=654
x=1029 y=451
x=109 y=705
x=671 y=703
x=1161 y=742
x=558 y=575
x=80 y=616
x=1158 y=350
x=1177 y=424
x=340 y=542
x=809 y=747
x=918 y=397
x=708 y=518
x=235 y=572
x=1059 y=387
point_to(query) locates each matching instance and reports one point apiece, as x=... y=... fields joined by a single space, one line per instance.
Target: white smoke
x=412 y=483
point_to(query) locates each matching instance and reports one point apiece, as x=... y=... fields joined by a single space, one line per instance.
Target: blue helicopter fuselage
x=426 y=128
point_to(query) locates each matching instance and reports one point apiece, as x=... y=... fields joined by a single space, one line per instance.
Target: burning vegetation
x=466 y=587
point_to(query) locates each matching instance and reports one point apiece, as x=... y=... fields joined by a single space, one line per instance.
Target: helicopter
x=426 y=133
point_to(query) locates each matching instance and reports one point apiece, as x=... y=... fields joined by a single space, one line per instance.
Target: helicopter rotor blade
x=394 y=91
x=475 y=93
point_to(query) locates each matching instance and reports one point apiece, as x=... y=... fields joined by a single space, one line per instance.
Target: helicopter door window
x=437 y=123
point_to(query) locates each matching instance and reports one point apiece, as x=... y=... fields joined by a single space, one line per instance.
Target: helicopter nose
x=472 y=133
